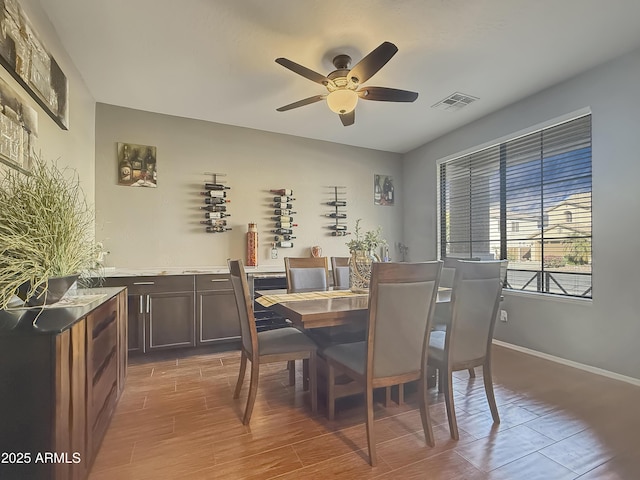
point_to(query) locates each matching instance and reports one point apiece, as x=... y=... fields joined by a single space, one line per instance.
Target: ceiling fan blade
x=369 y=65
x=348 y=118
x=384 y=94
x=304 y=71
x=301 y=103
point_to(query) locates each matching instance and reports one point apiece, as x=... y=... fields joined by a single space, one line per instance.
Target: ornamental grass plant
x=46 y=228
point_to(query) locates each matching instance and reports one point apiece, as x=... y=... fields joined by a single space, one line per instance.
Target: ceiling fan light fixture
x=342 y=101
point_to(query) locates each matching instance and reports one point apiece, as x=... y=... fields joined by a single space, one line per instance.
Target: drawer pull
x=219 y=279
x=144 y=283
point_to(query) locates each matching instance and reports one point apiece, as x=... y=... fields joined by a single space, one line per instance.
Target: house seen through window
x=527 y=200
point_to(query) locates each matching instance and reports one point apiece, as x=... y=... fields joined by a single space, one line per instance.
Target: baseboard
x=564 y=361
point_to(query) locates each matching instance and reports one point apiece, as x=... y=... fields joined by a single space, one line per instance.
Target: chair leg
x=387 y=397
x=371 y=441
x=313 y=381
x=448 y=399
x=331 y=391
x=440 y=381
x=291 y=365
x=243 y=368
x=424 y=413
x=488 y=388
x=305 y=374
x=401 y=394
x=472 y=373
x=253 y=390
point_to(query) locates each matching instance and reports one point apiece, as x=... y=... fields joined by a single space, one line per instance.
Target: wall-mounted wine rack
x=339 y=215
x=283 y=215
x=216 y=204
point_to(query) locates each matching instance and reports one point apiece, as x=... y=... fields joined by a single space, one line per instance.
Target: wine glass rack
x=338 y=202
x=215 y=204
x=283 y=216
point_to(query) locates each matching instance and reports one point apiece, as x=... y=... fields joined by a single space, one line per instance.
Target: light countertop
x=199 y=270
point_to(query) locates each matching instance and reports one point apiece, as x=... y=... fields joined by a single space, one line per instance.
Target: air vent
x=455 y=101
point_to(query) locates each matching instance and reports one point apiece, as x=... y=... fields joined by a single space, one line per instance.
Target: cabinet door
x=217 y=317
x=170 y=320
x=135 y=322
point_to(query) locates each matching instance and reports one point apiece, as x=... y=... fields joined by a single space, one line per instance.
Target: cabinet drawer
x=213 y=282
x=168 y=283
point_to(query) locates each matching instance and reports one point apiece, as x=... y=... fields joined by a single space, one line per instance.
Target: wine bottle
x=386 y=189
x=282 y=191
x=286 y=224
x=280 y=238
x=216 y=229
x=377 y=192
x=215 y=186
x=283 y=231
x=340 y=233
x=215 y=200
x=215 y=208
x=283 y=198
x=284 y=212
x=283 y=218
x=214 y=193
x=338 y=227
x=390 y=193
x=214 y=221
x=336 y=215
x=216 y=215
x=337 y=203
x=282 y=205
x=284 y=244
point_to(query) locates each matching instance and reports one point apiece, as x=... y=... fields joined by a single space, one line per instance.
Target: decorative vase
x=360 y=271
x=47 y=294
x=252 y=245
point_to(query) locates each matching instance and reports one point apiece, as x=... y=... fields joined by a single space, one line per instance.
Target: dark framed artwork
x=137 y=165
x=383 y=190
x=26 y=58
x=18 y=129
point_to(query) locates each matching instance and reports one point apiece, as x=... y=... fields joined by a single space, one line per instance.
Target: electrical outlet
x=503 y=315
x=274 y=253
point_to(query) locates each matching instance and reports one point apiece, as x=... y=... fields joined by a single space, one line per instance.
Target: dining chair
x=466 y=342
x=401 y=303
x=340 y=271
x=306 y=273
x=269 y=346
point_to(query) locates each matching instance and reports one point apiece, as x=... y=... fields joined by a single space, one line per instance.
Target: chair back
x=475 y=300
x=401 y=303
x=248 y=331
x=449 y=265
x=307 y=273
x=340 y=270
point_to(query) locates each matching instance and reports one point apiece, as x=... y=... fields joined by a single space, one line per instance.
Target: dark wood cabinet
x=217 y=313
x=59 y=383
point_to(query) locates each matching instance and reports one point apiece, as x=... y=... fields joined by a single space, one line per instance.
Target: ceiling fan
x=344 y=84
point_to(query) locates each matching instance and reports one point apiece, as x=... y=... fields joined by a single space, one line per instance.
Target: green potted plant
x=363 y=248
x=46 y=234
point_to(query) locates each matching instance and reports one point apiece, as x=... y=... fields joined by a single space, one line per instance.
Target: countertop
x=199 y=270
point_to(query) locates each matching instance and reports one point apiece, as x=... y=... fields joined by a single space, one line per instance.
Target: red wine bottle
x=216 y=215
x=283 y=218
x=337 y=203
x=282 y=191
x=214 y=193
x=280 y=238
x=336 y=215
x=340 y=233
x=216 y=229
x=283 y=198
x=284 y=244
x=215 y=186
x=338 y=227
x=286 y=224
x=215 y=208
x=284 y=212
x=282 y=231
x=215 y=221
x=215 y=200
x=282 y=205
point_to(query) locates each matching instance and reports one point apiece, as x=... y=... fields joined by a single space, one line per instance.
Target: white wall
x=605 y=332
x=144 y=227
x=75 y=147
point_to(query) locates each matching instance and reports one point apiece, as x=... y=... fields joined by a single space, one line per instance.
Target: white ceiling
x=214 y=59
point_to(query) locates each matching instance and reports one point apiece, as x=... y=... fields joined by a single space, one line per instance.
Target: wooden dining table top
x=316 y=311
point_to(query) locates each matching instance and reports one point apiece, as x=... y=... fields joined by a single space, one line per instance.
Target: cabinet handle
x=148 y=304
x=144 y=283
x=140 y=309
x=219 y=279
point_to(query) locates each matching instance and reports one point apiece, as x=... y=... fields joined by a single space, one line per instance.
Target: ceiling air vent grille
x=455 y=101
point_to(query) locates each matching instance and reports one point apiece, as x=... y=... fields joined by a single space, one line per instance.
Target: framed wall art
x=26 y=58
x=137 y=165
x=383 y=190
x=18 y=129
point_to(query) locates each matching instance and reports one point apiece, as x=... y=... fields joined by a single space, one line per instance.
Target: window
x=540 y=182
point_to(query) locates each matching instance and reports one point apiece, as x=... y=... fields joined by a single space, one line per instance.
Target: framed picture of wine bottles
x=137 y=165
x=383 y=190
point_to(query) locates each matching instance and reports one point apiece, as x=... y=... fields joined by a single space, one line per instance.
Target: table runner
x=268 y=300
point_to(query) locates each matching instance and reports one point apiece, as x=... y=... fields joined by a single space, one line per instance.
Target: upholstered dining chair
x=269 y=346
x=304 y=273
x=466 y=342
x=340 y=271
x=401 y=303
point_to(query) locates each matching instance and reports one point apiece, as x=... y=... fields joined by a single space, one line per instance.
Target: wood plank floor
x=177 y=420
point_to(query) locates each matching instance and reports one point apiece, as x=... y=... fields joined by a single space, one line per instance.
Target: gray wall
x=604 y=332
x=75 y=147
x=145 y=227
